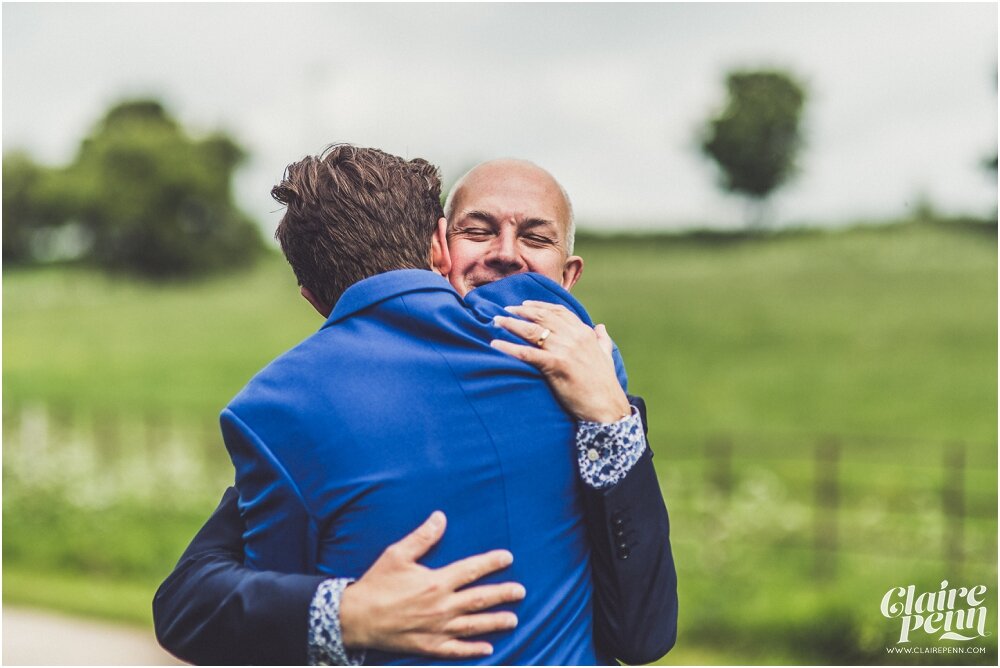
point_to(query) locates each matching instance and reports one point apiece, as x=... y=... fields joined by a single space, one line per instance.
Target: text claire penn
x=935 y=611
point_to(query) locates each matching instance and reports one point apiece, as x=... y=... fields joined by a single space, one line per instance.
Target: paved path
x=32 y=637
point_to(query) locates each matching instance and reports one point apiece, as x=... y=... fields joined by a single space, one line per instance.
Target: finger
x=460 y=649
x=479 y=598
x=528 y=331
x=416 y=543
x=530 y=354
x=531 y=313
x=466 y=571
x=553 y=316
x=603 y=339
x=477 y=625
x=555 y=309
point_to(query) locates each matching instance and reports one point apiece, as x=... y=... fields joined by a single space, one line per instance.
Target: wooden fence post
x=155 y=427
x=60 y=416
x=719 y=465
x=826 y=505
x=12 y=413
x=106 y=425
x=953 y=507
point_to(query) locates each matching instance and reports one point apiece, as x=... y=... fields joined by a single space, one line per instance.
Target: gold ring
x=541 y=339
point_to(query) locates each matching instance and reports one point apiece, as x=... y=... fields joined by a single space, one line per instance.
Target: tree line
x=144 y=196
x=141 y=196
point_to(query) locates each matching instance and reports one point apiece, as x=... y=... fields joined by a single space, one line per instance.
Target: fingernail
x=511 y=309
x=493 y=343
x=437 y=519
x=488 y=650
x=506 y=558
x=512 y=622
x=518 y=591
x=496 y=319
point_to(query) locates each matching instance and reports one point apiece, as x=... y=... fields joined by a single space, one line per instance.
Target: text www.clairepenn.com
x=935 y=650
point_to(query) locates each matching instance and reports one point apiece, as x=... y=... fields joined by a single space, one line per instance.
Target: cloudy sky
x=902 y=97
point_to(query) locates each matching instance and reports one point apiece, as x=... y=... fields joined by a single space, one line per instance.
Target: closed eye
x=538 y=240
x=476 y=232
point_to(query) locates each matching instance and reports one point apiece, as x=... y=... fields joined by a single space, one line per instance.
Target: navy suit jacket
x=340 y=449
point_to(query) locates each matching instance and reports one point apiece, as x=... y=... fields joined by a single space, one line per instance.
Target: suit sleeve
x=280 y=532
x=214 y=610
x=635 y=582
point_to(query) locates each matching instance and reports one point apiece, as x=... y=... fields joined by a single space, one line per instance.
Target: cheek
x=546 y=263
x=461 y=259
x=462 y=262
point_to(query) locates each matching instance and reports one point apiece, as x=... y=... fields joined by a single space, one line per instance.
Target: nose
x=503 y=254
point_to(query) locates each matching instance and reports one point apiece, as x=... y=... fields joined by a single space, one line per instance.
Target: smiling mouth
x=478 y=281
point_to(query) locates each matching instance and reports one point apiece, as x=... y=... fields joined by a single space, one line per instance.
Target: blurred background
x=789 y=220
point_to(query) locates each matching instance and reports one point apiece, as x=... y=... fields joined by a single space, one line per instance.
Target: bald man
x=505 y=217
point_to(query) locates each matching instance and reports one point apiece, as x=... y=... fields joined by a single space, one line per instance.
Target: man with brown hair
x=345 y=219
x=348 y=198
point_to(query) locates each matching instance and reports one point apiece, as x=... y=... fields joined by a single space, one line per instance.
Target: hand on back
x=399 y=605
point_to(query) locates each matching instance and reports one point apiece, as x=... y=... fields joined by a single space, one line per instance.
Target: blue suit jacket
x=398 y=406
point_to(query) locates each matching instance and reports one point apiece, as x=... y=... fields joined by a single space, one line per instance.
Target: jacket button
x=623 y=554
x=618 y=522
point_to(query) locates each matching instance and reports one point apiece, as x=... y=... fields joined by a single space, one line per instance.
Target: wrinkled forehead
x=513 y=195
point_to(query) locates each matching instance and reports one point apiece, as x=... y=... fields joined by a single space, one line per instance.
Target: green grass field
x=884 y=338
x=877 y=331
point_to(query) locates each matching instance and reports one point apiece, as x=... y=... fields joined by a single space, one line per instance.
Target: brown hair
x=353 y=213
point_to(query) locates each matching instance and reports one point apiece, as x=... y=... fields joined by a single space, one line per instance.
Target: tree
x=147 y=197
x=34 y=207
x=21 y=214
x=755 y=139
x=157 y=201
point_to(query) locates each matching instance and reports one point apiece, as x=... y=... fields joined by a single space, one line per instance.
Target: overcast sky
x=902 y=97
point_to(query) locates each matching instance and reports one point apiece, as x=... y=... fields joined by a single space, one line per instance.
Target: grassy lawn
x=114 y=599
x=78 y=339
x=887 y=331
x=884 y=339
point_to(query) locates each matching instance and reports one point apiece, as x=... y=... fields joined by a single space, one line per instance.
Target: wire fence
x=837 y=496
x=827 y=496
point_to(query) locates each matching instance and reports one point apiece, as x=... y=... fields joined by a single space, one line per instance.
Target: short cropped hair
x=353 y=213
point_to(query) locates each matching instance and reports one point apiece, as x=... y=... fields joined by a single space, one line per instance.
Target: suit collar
x=516 y=288
x=510 y=290
x=384 y=286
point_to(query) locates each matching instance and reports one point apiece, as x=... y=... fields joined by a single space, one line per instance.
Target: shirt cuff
x=607 y=452
x=326 y=642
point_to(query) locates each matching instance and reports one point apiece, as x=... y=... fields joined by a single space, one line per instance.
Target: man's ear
x=440 y=255
x=321 y=307
x=572 y=270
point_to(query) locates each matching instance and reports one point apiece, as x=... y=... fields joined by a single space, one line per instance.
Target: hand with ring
x=541 y=337
x=574 y=358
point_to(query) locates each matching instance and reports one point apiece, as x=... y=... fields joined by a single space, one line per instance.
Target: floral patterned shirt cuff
x=326 y=643
x=607 y=452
